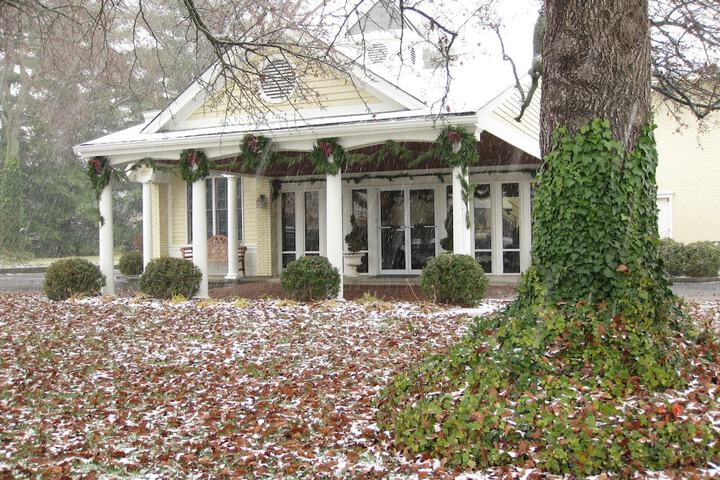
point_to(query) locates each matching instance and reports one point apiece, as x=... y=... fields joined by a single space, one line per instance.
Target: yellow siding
x=314 y=93
x=264 y=231
x=249 y=195
x=689 y=169
x=159 y=219
x=179 y=214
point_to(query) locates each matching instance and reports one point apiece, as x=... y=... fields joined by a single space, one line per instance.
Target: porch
x=410 y=207
x=382 y=288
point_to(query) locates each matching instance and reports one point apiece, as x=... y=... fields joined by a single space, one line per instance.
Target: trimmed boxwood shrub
x=72 y=276
x=131 y=263
x=702 y=259
x=310 y=278
x=166 y=277
x=454 y=279
x=699 y=259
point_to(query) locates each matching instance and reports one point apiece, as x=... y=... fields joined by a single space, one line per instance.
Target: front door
x=407 y=229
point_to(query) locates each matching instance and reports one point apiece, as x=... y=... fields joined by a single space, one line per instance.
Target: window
x=359 y=209
x=217 y=208
x=287 y=212
x=483 y=226
x=511 y=227
x=277 y=82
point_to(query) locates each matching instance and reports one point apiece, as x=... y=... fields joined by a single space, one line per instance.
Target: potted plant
x=355 y=241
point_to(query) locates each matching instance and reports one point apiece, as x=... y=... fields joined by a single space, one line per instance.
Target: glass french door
x=300 y=224
x=407 y=229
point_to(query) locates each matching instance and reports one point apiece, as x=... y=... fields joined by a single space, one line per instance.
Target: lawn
x=131 y=388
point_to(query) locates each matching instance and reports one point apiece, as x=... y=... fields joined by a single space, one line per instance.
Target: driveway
x=21 y=282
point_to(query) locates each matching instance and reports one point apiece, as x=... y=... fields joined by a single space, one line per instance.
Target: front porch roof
x=353 y=131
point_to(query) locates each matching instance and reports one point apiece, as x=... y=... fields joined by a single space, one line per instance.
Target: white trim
x=669 y=197
x=221 y=142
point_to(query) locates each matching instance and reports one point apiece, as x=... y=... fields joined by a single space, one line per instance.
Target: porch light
x=261 y=201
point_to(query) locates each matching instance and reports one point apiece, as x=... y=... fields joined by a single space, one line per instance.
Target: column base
x=231 y=276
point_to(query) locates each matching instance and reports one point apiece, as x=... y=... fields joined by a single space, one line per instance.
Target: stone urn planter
x=352 y=262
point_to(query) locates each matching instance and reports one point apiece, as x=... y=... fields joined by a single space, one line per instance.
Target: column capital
x=231 y=175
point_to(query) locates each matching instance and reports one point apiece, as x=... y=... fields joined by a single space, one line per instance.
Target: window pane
x=511 y=262
x=221 y=217
x=287 y=258
x=209 y=205
x=288 y=223
x=359 y=209
x=447 y=242
x=312 y=221
x=511 y=215
x=483 y=219
x=485 y=261
x=221 y=193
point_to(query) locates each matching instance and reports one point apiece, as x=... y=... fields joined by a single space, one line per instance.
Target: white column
x=107 y=260
x=199 y=234
x=147 y=222
x=462 y=234
x=232 y=227
x=334 y=241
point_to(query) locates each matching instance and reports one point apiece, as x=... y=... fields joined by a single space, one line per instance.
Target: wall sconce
x=261 y=201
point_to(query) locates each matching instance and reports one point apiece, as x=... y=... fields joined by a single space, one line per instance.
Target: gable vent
x=377 y=52
x=278 y=81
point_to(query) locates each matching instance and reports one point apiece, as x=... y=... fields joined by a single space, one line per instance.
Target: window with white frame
x=482 y=216
x=510 y=227
x=217 y=208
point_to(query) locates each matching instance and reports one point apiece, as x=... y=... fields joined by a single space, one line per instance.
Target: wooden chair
x=217 y=251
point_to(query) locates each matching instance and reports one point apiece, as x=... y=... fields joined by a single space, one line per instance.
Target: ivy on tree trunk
x=595 y=222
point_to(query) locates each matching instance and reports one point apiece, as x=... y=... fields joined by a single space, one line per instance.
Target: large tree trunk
x=596 y=64
x=595 y=218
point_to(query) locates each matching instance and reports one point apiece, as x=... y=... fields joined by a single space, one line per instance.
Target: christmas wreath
x=194 y=165
x=254 y=151
x=456 y=146
x=99 y=172
x=320 y=156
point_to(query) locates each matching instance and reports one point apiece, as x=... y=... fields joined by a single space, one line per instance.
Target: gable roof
x=383 y=16
x=195 y=95
x=498 y=117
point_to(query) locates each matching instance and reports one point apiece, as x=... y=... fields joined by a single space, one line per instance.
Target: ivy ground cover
x=130 y=388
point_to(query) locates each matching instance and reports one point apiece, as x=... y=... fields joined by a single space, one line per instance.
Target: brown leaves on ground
x=124 y=387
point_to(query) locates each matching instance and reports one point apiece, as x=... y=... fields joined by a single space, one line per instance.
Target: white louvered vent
x=377 y=52
x=412 y=56
x=278 y=81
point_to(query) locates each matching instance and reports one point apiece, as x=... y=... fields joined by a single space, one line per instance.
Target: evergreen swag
x=255 y=151
x=99 y=173
x=320 y=156
x=193 y=165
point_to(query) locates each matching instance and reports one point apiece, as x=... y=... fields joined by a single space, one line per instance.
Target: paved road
x=29 y=282
x=21 y=282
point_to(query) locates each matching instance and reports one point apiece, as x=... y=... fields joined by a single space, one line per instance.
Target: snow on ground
x=102 y=388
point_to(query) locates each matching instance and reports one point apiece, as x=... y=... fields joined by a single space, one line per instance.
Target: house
x=409 y=202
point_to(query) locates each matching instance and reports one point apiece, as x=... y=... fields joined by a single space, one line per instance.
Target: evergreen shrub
x=310 y=278
x=167 y=277
x=454 y=279
x=72 y=276
x=131 y=263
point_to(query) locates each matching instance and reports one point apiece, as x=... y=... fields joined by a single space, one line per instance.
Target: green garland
x=321 y=152
x=193 y=165
x=255 y=151
x=99 y=172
